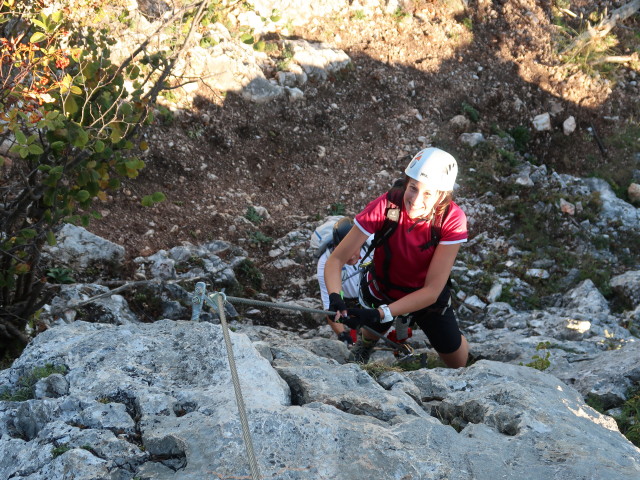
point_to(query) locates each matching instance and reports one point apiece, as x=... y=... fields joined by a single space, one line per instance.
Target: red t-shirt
x=409 y=264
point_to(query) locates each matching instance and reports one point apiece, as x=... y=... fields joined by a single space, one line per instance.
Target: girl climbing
x=419 y=230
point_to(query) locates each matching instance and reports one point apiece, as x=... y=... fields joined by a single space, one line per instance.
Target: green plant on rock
x=470 y=112
x=337 y=208
x=375 y=369
x=253 y=216
x=359 y=15
x=59 y=450
x=629 y=420
x=26 y=383
x=595 y=402
x=540 y=362
x=400 y=14
x=248 y=274
x=521 y=136
x=60 y=275
x=260 y=238
x=416 y=362
x=287 y=56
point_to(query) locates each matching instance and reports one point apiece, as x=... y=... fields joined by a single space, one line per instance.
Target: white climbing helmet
x=435 y=168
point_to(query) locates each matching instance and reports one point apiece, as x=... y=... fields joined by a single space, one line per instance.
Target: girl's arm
x=349 y=246
x=437 y=276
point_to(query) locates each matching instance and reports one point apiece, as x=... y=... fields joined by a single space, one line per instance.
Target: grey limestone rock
x=156 y=401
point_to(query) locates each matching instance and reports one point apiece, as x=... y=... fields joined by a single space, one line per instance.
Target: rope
x=281 y=306
x=246 y=434
x=197 y=302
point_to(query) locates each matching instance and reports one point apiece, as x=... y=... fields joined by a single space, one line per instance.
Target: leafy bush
x=470 y=112
x=337 y=208
x=248 y=274
x=629 y=420
x=70 y=125
x=59 y=450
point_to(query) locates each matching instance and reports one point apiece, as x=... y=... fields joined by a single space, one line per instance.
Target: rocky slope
x=155 y=401
x=549 y=277
x=119 y=398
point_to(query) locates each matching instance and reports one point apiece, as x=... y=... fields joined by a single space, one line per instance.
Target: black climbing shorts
x=437 y=321
x=441 y=329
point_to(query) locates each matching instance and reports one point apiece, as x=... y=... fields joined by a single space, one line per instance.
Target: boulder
x=80 y=250
x=627 y=286
x=157 y=401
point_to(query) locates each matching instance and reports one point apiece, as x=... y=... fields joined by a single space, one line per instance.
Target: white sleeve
x=324 y=294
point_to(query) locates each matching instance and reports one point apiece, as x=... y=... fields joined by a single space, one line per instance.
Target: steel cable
x=246 y=434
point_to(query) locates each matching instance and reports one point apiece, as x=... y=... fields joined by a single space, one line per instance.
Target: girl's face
x=418 y=200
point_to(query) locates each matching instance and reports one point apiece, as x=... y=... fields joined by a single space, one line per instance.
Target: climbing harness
x=393 y=209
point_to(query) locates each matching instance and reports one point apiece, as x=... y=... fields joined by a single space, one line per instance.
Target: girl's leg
x=441 y=328
x=457 y=359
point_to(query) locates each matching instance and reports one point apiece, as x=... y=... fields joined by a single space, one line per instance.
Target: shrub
x=71 y=121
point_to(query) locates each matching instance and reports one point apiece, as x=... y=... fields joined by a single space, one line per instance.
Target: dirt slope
x=497 y=62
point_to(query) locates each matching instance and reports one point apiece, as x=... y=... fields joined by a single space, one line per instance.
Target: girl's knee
x=457 y=359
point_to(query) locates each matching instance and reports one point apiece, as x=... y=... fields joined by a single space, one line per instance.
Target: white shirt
x=350 y=278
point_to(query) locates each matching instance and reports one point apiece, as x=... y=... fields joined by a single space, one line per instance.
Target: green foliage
x=165 y=115
x=27 y=383
x=59 y=450
x=376 y=369
x=286 y=56
x=193 y=262
x=596 y=403
x=195 y=133
x=73 y=120
x=60 y=275
x=337 y=208
x=591 y=56
x=540 y=362
x=146 y=302
x=629 y=420
x=468 y=23
x=470 y=112
x=359 y=15
x=248 y=274
x=400 y=14
x=260 y=238
x=170 y=96
x=253 y=216
x=521 y=135
x=150 y=200
x=416 y=362
x=70 y=119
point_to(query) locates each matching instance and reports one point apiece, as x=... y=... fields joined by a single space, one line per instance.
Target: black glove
x=362 y=316
x=346 y=337
x=336 y=303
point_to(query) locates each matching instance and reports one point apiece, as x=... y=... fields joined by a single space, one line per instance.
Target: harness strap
x=392 y=217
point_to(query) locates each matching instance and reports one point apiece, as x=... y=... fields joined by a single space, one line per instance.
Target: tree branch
x=605 y=26
x=128 y=285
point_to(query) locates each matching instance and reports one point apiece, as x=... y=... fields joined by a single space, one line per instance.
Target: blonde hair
x=441 y=208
